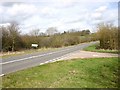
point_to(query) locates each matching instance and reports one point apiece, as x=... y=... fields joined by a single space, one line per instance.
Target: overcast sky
x=62 y=14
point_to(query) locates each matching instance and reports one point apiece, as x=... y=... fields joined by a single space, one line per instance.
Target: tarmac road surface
x=15 y=63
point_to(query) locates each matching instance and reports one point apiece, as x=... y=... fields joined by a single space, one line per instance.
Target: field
x=79 y=73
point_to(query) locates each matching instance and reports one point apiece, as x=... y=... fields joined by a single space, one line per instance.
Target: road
x=21 y=62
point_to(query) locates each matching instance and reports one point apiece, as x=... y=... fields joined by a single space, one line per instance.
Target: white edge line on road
x=2 y=75
x=32 y=57
x=55 y=59
x=35 y=56
x=95 y=55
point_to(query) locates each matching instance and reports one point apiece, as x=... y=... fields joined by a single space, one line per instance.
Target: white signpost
x=34 y=45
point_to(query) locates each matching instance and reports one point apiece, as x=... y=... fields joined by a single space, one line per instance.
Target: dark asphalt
x=20 y=62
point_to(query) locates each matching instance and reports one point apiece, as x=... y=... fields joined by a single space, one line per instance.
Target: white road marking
x=42 y=63
x=46 y=61
x=55 y=59
x=95 y=55
x=32 y=57
x=50 y=60
x=2 y=75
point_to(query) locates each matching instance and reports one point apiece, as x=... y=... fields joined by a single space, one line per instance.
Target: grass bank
x=92 y=48
x=79 y=73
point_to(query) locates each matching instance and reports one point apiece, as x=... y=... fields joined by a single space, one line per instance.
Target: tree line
x=13 y=40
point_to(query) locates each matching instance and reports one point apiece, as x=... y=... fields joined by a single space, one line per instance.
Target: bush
x=108 y=36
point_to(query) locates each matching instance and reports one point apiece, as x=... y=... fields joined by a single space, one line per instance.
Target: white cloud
x=32 y=21
x=5 y=24
x=96 y=15
x=111 y=16
x=63 y=14
x=64 y=1
x=70 y=1
x=99 y=13
x=101 y=9
x=48 y=11
x=17 y=9
x=1 y=10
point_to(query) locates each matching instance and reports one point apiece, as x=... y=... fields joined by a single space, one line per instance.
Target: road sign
x=34 y=45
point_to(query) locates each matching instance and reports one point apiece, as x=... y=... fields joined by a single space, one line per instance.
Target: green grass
x=92 y=48
x=79 y=73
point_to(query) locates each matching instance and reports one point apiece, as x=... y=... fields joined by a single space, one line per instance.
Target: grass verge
x=79 y=73
x=27 y=52
x=92 y=48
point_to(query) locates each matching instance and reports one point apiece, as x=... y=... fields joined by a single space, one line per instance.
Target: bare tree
x=35 y=32
x=51 y=31
x=14 y=34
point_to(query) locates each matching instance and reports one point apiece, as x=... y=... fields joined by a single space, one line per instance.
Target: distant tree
x=42 y=34
x=51 y=31
x=35 y=32
x=85 y=32
x=72 y=30
x=64 y=32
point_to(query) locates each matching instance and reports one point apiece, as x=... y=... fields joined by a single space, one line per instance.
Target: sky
x=62 y=14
